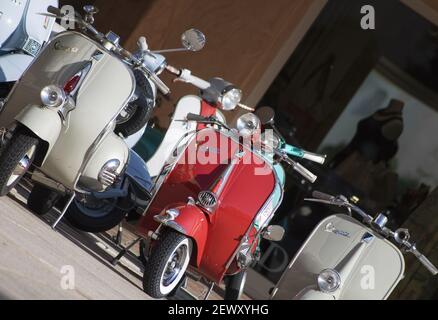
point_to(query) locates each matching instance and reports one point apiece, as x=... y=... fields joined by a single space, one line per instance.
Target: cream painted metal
x=370 y=267
x=72 y=145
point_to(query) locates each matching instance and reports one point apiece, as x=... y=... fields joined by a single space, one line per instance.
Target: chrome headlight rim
x=53 y=96
x=329 y=280
x=230 y=98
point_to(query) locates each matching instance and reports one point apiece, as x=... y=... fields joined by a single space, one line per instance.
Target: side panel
x=112 y=147
x=12 y=66
x=329 y=246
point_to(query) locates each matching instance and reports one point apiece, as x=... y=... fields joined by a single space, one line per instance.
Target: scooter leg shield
x=43 y=122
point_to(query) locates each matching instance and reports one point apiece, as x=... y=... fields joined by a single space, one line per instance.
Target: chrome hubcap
x=174 y=265
x=22 y=166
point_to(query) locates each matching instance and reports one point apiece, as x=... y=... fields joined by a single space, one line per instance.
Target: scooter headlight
x=230 y=98
x=53 y=96
x=329 y=280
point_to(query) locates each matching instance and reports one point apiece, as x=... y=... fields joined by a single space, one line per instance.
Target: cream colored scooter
x=60 y=117
x=348 y=259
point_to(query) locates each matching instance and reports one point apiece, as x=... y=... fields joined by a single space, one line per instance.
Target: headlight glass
x=53 y=96
x=231 y=99
x=329 y=281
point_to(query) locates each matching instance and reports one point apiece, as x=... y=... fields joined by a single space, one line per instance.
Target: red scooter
x=211 y=204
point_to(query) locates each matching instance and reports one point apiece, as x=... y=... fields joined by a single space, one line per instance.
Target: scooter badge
x=331 y=228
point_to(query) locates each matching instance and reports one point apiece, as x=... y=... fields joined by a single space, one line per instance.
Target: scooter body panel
x=12 y=13
x=23 y=27
x=104 y=92
x=12 y=66
x=39 y=27
x=247 y=194
x=112 y=148
x=369 y=265
x=31 y=117
x=176 y=130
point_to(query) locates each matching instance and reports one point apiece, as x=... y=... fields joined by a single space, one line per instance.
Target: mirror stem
x=169 y=50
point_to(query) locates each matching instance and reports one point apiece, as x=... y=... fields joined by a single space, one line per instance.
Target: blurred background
x=367 y=98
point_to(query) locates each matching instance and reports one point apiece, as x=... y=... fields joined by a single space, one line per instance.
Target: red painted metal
x=207 y=110
x=217 y=234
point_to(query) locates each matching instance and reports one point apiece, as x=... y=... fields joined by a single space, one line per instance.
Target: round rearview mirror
x=273 y=233
x=266 y=115
x=270 y=141
x=90 y=9
x=193 y=40
x=248 y=124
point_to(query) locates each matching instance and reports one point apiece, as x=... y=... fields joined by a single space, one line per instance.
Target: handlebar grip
x=314 y=157
x=54 y=10
x=426 y=262
x=322 y=196
x=195 y=117
x=304 y=172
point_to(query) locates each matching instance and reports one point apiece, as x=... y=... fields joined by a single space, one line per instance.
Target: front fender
x=43 y=122
x=12 y=66
x=193 y=223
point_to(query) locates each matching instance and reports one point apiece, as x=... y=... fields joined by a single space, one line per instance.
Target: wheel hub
x=174 y=265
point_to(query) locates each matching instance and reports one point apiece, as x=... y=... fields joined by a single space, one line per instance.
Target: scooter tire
x=41 y=199
x=142 y=110
x=5 y=88
x=235 y=285
x=86 y=223
x=156 y=265
x=16 y=149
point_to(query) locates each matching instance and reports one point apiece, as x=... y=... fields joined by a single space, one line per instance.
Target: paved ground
x=37 y=262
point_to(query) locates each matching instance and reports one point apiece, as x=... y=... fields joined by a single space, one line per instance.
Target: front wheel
x=235 y=285
x=167 y=264
x=89 y=214
x=16 y=159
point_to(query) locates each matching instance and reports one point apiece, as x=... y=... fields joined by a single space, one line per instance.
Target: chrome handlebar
x=400 y=236
x=298 y=167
